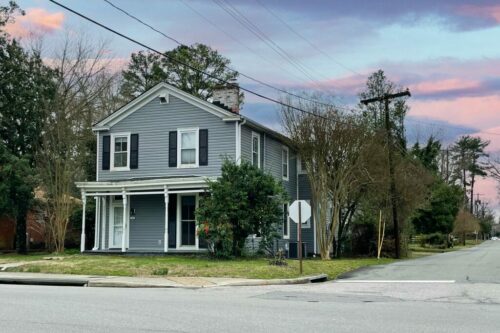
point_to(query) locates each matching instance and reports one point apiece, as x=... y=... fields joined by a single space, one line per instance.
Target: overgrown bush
x=279 y=259
x=436 y=238
x=243 y=201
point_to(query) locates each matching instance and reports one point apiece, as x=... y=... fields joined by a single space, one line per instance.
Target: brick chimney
x=227 y=96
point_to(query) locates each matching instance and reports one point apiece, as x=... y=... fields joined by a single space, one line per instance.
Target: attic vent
x=163 y=98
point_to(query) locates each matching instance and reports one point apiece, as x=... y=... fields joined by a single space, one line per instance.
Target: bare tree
x=465 y=223
x=330 y=144
x=84 y=86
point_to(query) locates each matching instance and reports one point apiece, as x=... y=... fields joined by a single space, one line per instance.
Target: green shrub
x=436 y=238
x=243 y=201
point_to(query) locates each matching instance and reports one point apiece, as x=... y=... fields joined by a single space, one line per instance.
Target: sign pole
x=299 y=226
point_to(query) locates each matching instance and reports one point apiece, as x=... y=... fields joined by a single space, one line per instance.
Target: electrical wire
x=295 y=32
x=225 y=66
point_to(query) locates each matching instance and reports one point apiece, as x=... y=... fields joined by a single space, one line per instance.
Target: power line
x=254 y=29
x=295 y=32
x=180 y=62
x=225 y=66
x=221 y=80
x=238 y=41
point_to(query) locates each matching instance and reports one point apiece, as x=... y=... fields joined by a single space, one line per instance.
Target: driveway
x=480 y=264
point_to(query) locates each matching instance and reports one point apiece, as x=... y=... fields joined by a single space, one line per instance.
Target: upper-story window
x=302 y=166
x=188 y=148
x=256 y=149
x=120 y=151
x=285 y=163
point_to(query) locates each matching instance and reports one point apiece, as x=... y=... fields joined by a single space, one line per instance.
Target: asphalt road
x=476 y=264
x=345 y=306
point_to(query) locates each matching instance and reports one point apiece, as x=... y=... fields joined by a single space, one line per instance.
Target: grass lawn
x=185 y=266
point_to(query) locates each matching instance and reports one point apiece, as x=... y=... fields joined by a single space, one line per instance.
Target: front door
x=187 y=220
x=116 y=226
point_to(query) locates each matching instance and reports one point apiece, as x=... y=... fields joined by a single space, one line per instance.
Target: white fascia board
x=178 y=183
x=154 y=93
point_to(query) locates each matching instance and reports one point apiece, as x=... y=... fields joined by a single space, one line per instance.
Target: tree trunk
x=472 y=194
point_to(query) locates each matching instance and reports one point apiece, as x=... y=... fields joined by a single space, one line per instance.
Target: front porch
x=144 y=216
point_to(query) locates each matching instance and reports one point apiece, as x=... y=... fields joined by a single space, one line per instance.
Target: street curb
x=272 y=282
x=40 y=281
x=99 y=282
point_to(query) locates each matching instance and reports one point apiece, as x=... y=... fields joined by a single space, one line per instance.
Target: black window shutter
x=134 y=151
x=106 y=145
x=203 y=147
x=172 y=149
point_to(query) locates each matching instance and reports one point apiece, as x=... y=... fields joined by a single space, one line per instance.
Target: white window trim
x=112 y=157
x=179 y=146
x=256 y=135
x=287 y=236
x=283 y=148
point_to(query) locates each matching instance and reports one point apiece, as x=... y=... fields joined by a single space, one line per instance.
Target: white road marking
x=395 y=281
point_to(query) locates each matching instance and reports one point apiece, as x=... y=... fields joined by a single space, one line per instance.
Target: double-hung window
x=286 y=222
x=120 y=155
x=284 y=163
x=256 y=149
x=188 y=148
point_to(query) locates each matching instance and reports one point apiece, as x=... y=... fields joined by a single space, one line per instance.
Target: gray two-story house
x=154 y=156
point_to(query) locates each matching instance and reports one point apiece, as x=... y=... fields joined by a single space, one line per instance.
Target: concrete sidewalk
x=144 y=282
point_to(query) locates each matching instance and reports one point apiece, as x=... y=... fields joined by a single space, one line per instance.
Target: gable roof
x=154 y=92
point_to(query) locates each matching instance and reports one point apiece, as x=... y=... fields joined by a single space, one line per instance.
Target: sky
x=446 y=52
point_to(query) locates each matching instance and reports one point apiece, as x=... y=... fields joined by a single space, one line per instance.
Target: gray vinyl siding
x=246 y=145
x=271 y=154
x=148 y=227
x=305 y=194
x=153 y=122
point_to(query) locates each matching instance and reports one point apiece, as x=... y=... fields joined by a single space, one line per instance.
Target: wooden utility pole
x=386 y=99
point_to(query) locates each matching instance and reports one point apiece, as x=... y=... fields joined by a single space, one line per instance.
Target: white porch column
x=82 y=238
x=97 y=223
x=165 y=238
x=104 y=213
x=124 y=224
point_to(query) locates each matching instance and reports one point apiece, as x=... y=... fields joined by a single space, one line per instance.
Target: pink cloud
x=447 y=85
x=488 y=190
x=491 y=12
x=479 y=112
x=37 y=21
x=491 y=134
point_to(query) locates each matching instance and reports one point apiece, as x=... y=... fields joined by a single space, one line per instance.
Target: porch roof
x=178 y=183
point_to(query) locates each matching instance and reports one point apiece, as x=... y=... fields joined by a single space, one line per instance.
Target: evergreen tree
x=147 y=69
